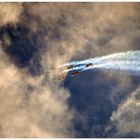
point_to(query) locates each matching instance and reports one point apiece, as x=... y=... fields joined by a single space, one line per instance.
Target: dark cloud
x=21 y=49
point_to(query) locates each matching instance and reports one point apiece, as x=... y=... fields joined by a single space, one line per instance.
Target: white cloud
x=126 y=117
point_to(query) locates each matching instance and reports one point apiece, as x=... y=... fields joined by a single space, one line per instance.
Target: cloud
x=35 y=37
x=10 y=13
x=29 y=108
x=126 y=117
x=31 y=105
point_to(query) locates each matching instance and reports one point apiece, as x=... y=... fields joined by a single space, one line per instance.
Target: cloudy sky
x=35 y=37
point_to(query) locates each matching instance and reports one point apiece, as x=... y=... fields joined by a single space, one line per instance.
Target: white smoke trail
x=128 y=62
x=129 y=55
x=129 y=67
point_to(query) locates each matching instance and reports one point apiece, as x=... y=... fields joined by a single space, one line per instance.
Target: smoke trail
x=129 y=55
x=130 y=67
x=128 y=62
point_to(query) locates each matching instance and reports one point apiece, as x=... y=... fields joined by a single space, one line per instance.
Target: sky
x=35 y=102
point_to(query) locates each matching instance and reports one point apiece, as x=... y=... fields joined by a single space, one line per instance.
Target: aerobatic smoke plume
x=128 y=62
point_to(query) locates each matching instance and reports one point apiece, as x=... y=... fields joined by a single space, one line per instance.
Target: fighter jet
x=88 y=65
x=75 y=73
x=69 y=67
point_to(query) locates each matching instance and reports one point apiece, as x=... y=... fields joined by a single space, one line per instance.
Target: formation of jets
x=75 y=73
x=78 y=72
